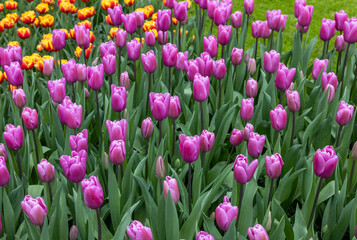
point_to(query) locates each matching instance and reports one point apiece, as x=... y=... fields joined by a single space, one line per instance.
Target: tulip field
x=177 y=119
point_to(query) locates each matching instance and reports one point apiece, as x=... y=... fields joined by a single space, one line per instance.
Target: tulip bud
x=305 y=15
x=327 y=30
x=175 y=107
x=58 y=39
x=159 y=105
x=86 y=93
x=73 y=233
x=180 y=10
x=57 y=89
x=118 y=102
x=340 y=19
x=14 y=74
x=219 y=17
x=257 y=232
x=48 y=67
x=79 y=142
x=205 y=64
x=236 y=137
x=146 y=128
x=115 y=15
x=354 y=151
x=149 y=61
x=120 y=38
x=236 y=19
x=95 y=77
x=13 y=137
x=207 y=141
x=255 y=144
x=163 y=20
x=268 y=225
x=278 y=118
x=224 y=34
x=82 y=72
x=170 y=185
x=92 y=192
x=318 y=66
x=219 y=69
x=130 y=22
x=236 y=56
x=251 y=88
x=117 y=152
x=247 y=130
x=19 y=97
x=210 y=45
x=325 y=161
x=35 y=209
x=46 y=171
x=225 y=214
x=192 y=69
x=273 y=165
x=117 y=129
x=211 y=8
x=293 y=100
x=200 y=88
x=271 y=61
x=248 y=6
x=169 y=54
x=344 y=113
x=133 y=50
x=82 y=36
x=204 y=236
x=137 y=230
x=284 y=77
x=4 y=173
x=340 y=43
x=331 y=92
x=69 y=70
x=247 y=109
x=182 y=57
x=160 y=170
x=150 y=38
x=109 y=64
x=243 y=172
x=30 y=118
x=124 y=80
x=3 y=152
x=251 y=66
x=189 y=147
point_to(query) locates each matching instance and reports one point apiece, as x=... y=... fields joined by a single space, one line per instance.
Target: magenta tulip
x=248 y=6
x=140 y=18
x=4 y=173
x=115 y=15
x=284 y=77
x=329 y=78
x=62 y=108
x=344 y=113
x=109 y=64
x=257 y=233
x=3 y=152
x=349 y=31
x=79 y=142
x=318 y=66
x=117 y=129
x=19 y=97
x=293 y=100
x=118 y=95
x=170 y=185
x=48 y=67
x=150 y=38
x=210 y=45
x=331 y=92
x=192 y=69
x=74 y=115
x=124 y=80
x=13 y=137
x=57 y=89
x=46 y=171
x=82 y=72
x=236 y=19
x=146 y=128
x=82 y=36
x=137 y=231
x=120 y=38
x=163 y=20
x=225 y=214
x=247 y=130
x=236 y=137
x=69 y=70
x=224 y=34
x=189 y=147
x=236 y=56
x=273 y=18
x=305 y=15
x=247 y=109
x=149 y=61
x=74 y=166
x=14 y=74
x=160 y=169
x=180 y=10
x=92 y=192
x=252 y=66
x=340 y=43
x=205 y=64
x=255 y=144
x=159 y=105
x=207 y=141
x=219 y=17
x=9 y=55
x=117 y=152
x=95 y=76
x=169 y=54
x=212 y=5
x=162 y=37
x=271 y=61
x=108 y=48
x=204 y=236
x=219 y=69
x=175 y=107
x=340 y=19
x=130 y=22
x=327 y=30
x=35 y=209
x=251 y=88
x=30 y=118
x=133 y=49
x=182 y=57
x=297 y=5
x=200 y=88
x=273 y=165
x=244 y=172
x=325 y=161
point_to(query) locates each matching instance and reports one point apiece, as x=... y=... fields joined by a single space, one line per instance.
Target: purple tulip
x=57 y=89
x=265 y=31
x=273 y=18
x=271 y=61
x=74 y=166
x=200 y=88
x=92 y=192
x=160 y=170
x=118 y=94
x=140 y=19
x=74 y=115
x=46 y=171
x=340 y=43
x=340 y=19
x=69 y=70
x=318 y=66
x=273 y=165
x=302 y=29
x=182 y=57
x=251 y=88
x=305 y=15
x=30 y=118
x=247 y=109
x=210 y=45
x=349 y=31
x=163 y=20
x=58 y=39
x=257 y=233
x=117 y=129
x=150 y=38
x=5 y=176
x=48 y=67
x=219 y=69
x=202 y=4
x=284 y=77
x=115 y=15
x=149 y=61
x=169 y=54
x=207 y=141
x=62 y=108
x=189 y=147
x=192 y=69
x=120 y=38
x=329 y=78
x=212 y=5
x=225 y=214
x=297 y=5
x=236 y=19
x=3 y=152
x=325 y=161
x=95 y=76
x=252 y=66
x=248 y=6
x=175 y=107
x=35 y=209
x=133 y=50
x=255 y=144
x=180 y=10
x=82 y=72
x=107 y=48
x=327 y=30
x=236 y=56
x=159 y=105
x=205 y=64
x=236 y=137
x=9 y=55
x=244 y=172
x=162 y=37
x=117 y=152
x=146 y=128
x=14 y=74
x=344 y=114
x=130 y=22
x=19 y=97
x=257 y=28
x=124 y=80
x=137 y=231
x=79 y=142
x=82 y=36
x=293 y=100
x=224 y=34
x=109 y=64
x=170 y=4
x=170 y=185
x=219 y=17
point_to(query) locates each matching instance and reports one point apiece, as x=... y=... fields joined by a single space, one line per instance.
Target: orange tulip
x=105 y=4
x=113 y=32
x=8 y=23
x=23 y=32
x=42 y=8
x=12 y=88
x=72 y=34
x=66 y=31
x=149 y=25
x=91 y=37
x=36 y=22
x=129 y=2
x=1 y=77
x=85 y=13
x=28 y=17
x=86 y=23
x=1 y=7
x=87 y=51
x=47 y=45
x=39 y=48
x=154 y=17
x=14 y=44
x=47 y=36
x=66 y=7
x=13 y=16
x=27 y=62
x=47 y=20
x=174 y=21
x=109 y=20
x=11 y=4
x=35 y=57
x=48 y=1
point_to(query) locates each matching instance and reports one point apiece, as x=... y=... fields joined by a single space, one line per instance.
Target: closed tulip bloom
x=175 y=107
x=236 y=19
x=150 y=38
x=284 y=77
x=159 y=105
x=117 y=129
x=109 y=64
x=4 y=173
x=207 y=141
x=170 y=185
x=340 y=19
x=117 y=152
x=212 y=5
x=271 y=61
x=9 y=55
x=251 y=88
x=139 y=18
x=73 y=233
x=273 y=165
x=35 y=209
x=58 y=39
x=189 y=147
x=236 y=56
x=82 y=72
x=162 y=37
x=149 y=61
x=225 y=213
x=293 y=100
x=137 y=231
x=325 y=161
x=180 y=10
x=192 y=69
x=219 y=17
x=278 y=118
x=19 y=97
x=82 y=36
x=244 y=172
x=331 y=92
x=257 y=233
x=30 y=118
x=204 y=236
x=107 y=48
x=57 y=89
x=248 y=6
x=224 y=34
x=160 y=169
x=115 y=15
x=130 y=22
x=210 y=45
x=120 y=38
x=340 y=43
x=205 y=64
x=327 y=30
x=124 y=80
x=255 y=144
x=236 y=137
x=349 y=31
x=170 y=4
x=318 y=66
x=95 y=77
x=200 y=88
x=169 y=54
x=297 y=5
x=273 y=18
x=163 y=20
x=74 y=167
x=133 y=50
x=3 y=152
x=14 y=74
x=344 y=113
x=118 y=102
x=247 y=130
x=305 y=15
x=353 y=153
x=48 y=67
x=74 y=115
x=265 y=31
x=329 y=78
x=62 y=108
x=219 y=69
x=79 y=142
x=247 y=109
x=46 y=171
x=92 y=192
x=252 y=66
x=202 y=4
x=257 y=28
x=146 y=128
x=69 y=70
x=302 y=29
x=182 y=57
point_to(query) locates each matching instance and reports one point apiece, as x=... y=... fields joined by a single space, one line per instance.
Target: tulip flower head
x=146 y=128
x=14 y=74
x=35 y=209
x=225 y=214
x=95 y=76
x=271 y=61
x=236 y=137
x=117 y=129
x=255 y=144
x=149 y=61
x=244 y=172
x=204 y=236
x=13 y=137
x=79 y=142
x=19 y=97
x=200 y=88
x=278 y=118
x=247 y=109
x=93 y=192
x=160 y=169
x=117 y=152
x=30 y=118
x=74 y=166
x=257 y=233
x=293 y=100
x=46 y=171
x=189 y=147
x=210 y=45
x=273 y=165
x=349 y=31
x=137 y=230
x=325 y=161
x=318 y=66
x=69 y=70
x=4 y=173
x=118 y=95
x=344 y=113
x=170 y=185
x=207 y=141
x=327 y=30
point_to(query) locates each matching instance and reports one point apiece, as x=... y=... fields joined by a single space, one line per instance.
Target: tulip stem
x=241 y=192
x=189 y=187
x=36 y=149
x=117 y=172
x=338 y=62
x=22 y=120
x=147 y=159
x=173 y=136
x=160 y=131
x=50 y=191
x=169 y=80
x=211 y=27
x=230 y=155
x=315 y=203
x=344 y=65
x=202 y=120
x=171 y=29
x=179 y=37
x=292 y=131
x=351 y=175
x=220 y=94
x=222 y=52
x=74 y=93
x=281 y=97
x=271 y=39
x=19 y=163
x=256 y=49
x=271 y=190
x=203 y=154
x=134 y=71
x=338 y=137
x=59 y=59
x=121 y=171
x=99 y=225
x=301 y=35
x=99 y=127
x=323 y=50
x=110 y=82
x=119 y=63
x=237 y=34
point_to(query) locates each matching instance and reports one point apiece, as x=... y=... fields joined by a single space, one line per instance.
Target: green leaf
x=171 y=219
